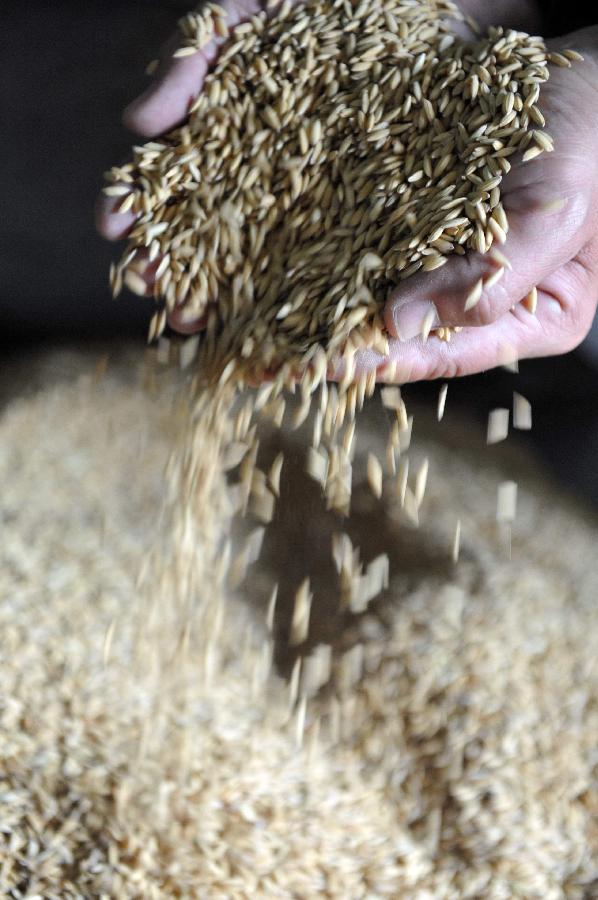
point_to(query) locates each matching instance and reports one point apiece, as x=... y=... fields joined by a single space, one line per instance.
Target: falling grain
x=421 y=480
x=375 y=475
x=428 y=322
x=301 y=612
x=271 y=609
x=530 y=302
x=456 y=542
x=274 y=474
x=494 y=278
x=441 y=401
x=498 y=426
x=506 y=504
x=522 y=412
x=135 y=282
x=474 y=296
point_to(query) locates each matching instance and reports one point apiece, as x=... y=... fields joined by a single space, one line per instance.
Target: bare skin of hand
x=551 y=204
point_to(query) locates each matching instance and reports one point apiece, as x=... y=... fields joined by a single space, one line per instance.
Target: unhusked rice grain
x=334 y=150
x=449 y=752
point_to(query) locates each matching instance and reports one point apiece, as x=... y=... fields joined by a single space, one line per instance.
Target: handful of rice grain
x=335 y=149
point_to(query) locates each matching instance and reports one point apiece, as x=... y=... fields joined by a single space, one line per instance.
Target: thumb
x=544 y=232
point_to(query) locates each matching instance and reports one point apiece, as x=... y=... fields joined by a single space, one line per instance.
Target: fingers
x=164 y=105
x=180 y=321
x=476 y=289
x=515 y=335
x=470 y=351
x=564 y=313
x=140 y=276
x=166 y=102
x=110 y=223
x=574 y=289
x=550 y=211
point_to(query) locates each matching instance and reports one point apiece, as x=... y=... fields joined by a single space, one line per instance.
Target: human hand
x=165 y=104
x=517 y=333
x=178 y=81
x=552 y=247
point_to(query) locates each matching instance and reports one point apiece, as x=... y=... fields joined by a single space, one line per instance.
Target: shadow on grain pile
x=298 y=544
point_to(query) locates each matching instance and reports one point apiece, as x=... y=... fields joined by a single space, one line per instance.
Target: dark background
x=67 y=69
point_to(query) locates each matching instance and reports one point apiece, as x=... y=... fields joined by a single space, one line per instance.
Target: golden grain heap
x=165 y=738
x=144 y=754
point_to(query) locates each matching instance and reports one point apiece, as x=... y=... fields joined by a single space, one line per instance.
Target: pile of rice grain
x=334 y=150
x=140 y=758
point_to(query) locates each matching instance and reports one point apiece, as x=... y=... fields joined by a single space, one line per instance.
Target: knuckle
x=445 y=366
x=577 y=316
x=568 y=323
x=485 y=312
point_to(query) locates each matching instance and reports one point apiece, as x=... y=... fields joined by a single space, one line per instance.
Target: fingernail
x=411 y=319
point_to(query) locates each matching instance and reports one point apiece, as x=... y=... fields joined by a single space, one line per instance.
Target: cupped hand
x=551 y=250
x=552 y=244
x=165 y=104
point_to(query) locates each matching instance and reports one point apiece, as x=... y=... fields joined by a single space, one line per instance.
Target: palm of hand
x=552 y=246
